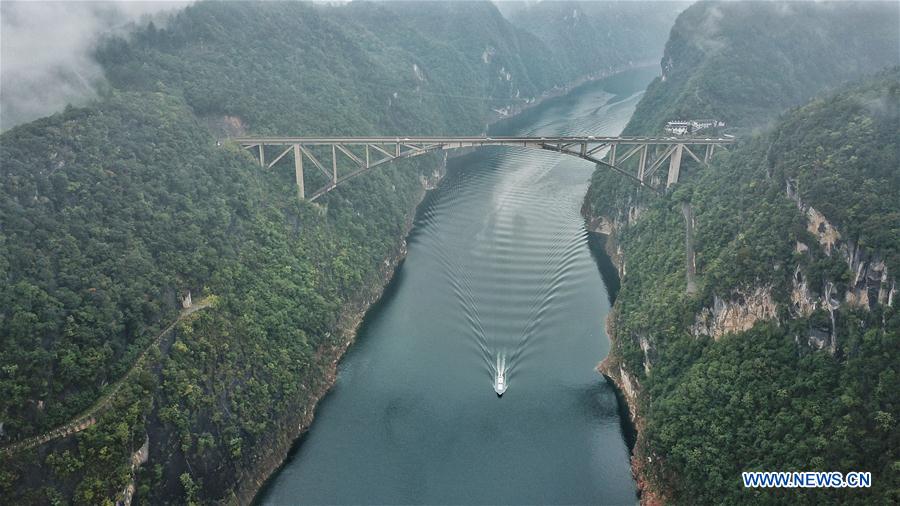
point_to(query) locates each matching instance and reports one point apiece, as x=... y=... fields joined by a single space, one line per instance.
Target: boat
x=500 y=383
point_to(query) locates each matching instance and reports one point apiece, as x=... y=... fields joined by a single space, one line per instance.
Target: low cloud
x=46 y=51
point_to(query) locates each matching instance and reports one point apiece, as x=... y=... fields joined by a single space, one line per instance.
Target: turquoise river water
x=499 y=264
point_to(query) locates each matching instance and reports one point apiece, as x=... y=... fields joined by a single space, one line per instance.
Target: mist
x=46 y=51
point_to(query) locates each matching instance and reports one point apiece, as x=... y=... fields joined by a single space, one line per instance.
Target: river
x=499 y=264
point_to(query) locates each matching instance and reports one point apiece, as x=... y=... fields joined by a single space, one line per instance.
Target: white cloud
x=46 y=51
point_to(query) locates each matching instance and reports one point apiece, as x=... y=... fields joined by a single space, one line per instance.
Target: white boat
x=500 y=383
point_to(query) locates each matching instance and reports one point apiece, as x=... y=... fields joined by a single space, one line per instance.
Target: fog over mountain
x=46 y=51
x=197 y=309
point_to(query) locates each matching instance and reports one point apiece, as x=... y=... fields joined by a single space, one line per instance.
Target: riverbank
x=513 y=111
x=349 y=321
x=615 y=371
x=293 y=432
x=621 y=378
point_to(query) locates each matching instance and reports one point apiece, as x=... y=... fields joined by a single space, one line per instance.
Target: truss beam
x=652 y=153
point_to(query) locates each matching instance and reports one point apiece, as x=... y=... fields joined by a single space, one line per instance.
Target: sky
x=46 y=51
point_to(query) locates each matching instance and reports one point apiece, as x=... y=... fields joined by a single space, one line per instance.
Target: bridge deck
x=365 y=153
x=483 y=140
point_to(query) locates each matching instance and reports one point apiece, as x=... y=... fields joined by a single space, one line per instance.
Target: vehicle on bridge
x=691 y=127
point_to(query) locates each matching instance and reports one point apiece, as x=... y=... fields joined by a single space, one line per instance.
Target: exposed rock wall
x=613 y=368
x=138 y=459
x=803 y=300
x=820 y=227
x=738 y=313
x=870 y=282
x=617 y=372
x=609 y=227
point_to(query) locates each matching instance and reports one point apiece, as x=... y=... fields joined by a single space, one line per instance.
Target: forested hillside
x=786 y=355
x=113 y=213
x=295 y=67
x=746 y=62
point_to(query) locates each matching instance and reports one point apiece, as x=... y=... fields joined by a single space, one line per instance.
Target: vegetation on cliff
x=787 y=355
x=113 y=212
x=746 y=62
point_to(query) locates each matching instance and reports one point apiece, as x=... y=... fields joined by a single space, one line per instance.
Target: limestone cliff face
x=739 y=312
x=739 y=309
x=608 y=226
x=869 y=285
x=431 y=181
x=803 y=300
x=870 y=282
x=628 y=384
x=613 y=368
x=820 y=227
x=138 y=459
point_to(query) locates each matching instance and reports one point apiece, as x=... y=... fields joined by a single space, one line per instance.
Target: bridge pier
x=333 y=164
x=298 y=171
x=642 y=163
x=381 y=150
x=674 y=166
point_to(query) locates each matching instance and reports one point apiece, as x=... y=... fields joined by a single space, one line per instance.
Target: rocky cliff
x=795 y=250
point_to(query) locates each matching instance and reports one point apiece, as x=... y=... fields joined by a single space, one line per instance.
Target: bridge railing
x=327 y=154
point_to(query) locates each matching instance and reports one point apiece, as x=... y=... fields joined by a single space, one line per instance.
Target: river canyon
x=499 y=265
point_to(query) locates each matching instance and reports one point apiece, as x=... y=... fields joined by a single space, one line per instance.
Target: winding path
x=89 y=417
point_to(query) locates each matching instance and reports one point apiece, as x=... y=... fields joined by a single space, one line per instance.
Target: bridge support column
x=387 y=149
x=674 y=165
x=298 y=171
x=642 y=165
x=333 y=165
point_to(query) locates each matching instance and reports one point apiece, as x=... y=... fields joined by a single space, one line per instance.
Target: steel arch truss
x=366 y=153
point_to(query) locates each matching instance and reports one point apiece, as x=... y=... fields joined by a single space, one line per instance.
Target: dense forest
x=786 y=354
x=746 y=62
x=113 y=213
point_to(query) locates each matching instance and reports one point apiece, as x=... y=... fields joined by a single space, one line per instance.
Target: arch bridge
x=366 y=153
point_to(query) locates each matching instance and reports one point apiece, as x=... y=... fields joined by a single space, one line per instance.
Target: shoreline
x=350 y=321
x=354 y=314
x=557 y=92
x=628 y=390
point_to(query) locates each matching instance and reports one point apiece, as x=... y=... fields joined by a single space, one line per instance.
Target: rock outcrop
x=738 y=313
x=870 y=282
